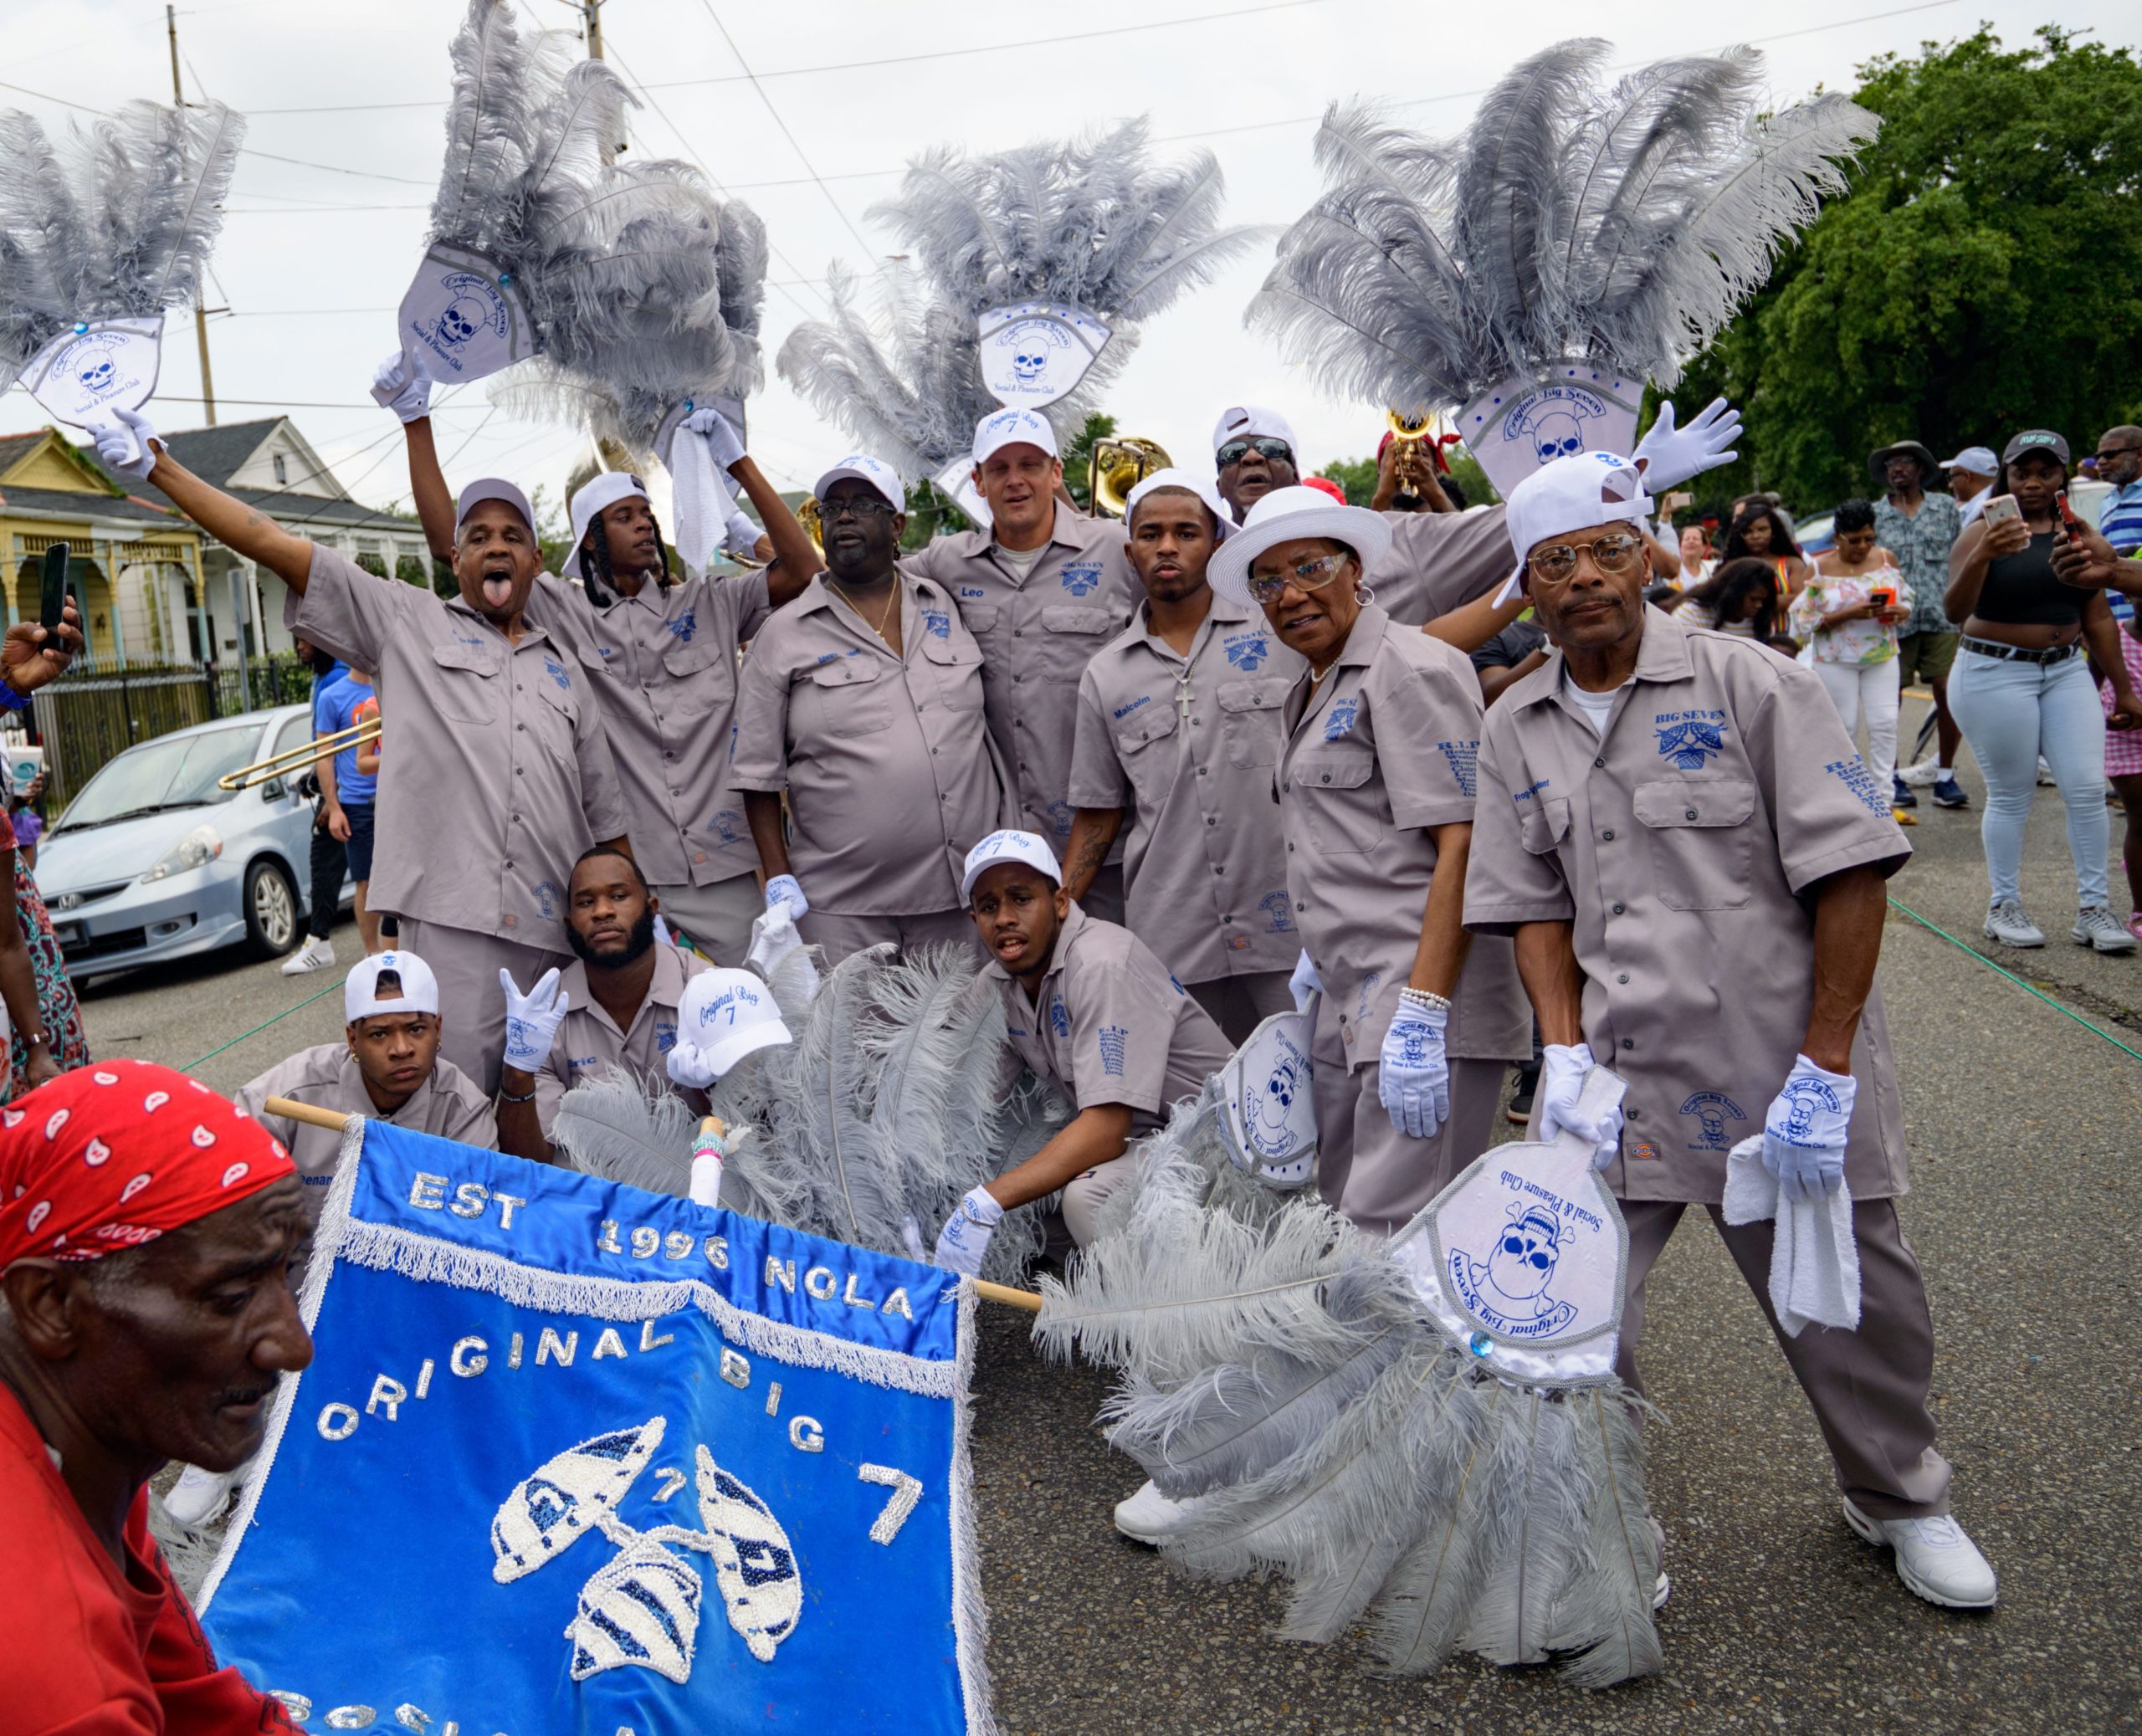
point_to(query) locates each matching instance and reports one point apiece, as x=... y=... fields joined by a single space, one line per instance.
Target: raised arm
x=398 y=385
x=133 y=450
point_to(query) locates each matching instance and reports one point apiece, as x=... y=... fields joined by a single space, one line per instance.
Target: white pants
x=1867 y=690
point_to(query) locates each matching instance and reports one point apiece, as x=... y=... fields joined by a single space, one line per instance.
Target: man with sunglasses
x=1041 y=589
x=1674 y=827
x=2119 y=463
x=862 y=701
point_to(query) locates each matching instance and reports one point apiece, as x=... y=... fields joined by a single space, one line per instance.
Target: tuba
x=1118 y=467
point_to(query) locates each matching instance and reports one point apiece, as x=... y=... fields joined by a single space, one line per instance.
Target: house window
x=282 y=468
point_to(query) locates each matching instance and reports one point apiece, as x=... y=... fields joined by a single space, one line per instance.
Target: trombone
x=294 y=760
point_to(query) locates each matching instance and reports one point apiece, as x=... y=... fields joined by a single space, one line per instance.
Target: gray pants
x=840 y=936
x=1868 y=1387
x=1365 y=1168
x=471 y=1003
x=718 y=918
x=1103 y=898
x=1240 y=1004
x=1084 y=1195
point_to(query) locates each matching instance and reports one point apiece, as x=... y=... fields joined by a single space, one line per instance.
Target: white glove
x=964 y=1238
x=1305 y=984
x=782 y=889
x=721 y=437
x=1562 y=1068
x=532 y=1019
x=129 y=447
x=740 y=537
x=399 y=385
x=1676 y=454
x=1804 y=1134
x=1413 y=1078
x=708 y=1150
x=911 y=1234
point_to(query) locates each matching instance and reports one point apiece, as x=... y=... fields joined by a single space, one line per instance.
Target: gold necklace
x=879 y=629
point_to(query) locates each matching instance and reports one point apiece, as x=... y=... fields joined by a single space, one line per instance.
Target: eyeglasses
x=1277 y=452
x=1557 y=561
x=1303 y=576
x=855 y=506
x=2114 y=452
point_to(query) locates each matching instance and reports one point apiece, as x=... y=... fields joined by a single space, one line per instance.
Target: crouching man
x=1090 y=1007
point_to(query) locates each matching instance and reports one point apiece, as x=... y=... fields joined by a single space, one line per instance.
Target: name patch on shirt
x=973 y=593
x=1713 y=1110
x=1854 y=775
x=1338 y=721
x=1530 y=790
x=1123 y=711
x=1464 y=759
x=1083 y=579
x=1247 y=652
x=1112 y=1039
x=1688 y=740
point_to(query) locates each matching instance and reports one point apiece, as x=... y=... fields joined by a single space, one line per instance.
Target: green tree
x=1079 y=458
x=1356 y=476
x=373 y=564
x=411 y=571
x=1980 y=276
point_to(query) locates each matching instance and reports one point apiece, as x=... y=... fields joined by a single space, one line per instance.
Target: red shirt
x=92 y=1651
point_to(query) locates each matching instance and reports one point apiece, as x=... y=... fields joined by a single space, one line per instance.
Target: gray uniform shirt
x=448 y=1103
x=1112 y=1026
x=1678 y=847
x=1438 y=560
x=885 y=758
x=589 y=1043
x=498 y=775
x=1193 y=739
x=662 y=667
x=1037 y=632
x=1385 y=751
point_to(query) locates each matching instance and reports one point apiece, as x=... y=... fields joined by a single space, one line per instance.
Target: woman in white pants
x=1850 y=609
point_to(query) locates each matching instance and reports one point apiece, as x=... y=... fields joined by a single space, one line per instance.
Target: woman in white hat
x=1375 y=785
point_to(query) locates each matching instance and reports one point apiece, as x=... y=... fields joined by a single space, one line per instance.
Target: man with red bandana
x=147 y=1232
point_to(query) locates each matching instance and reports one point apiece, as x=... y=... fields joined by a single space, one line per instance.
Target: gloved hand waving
x=532 y=1019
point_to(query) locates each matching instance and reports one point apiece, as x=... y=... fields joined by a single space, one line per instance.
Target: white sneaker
x=313 y=955
x=1934 y=1559
x=2044 y=773
x=1148 y=1516
x=198 y=1496
x=1922 y=775
x=2005 y=922
x=2097 y=927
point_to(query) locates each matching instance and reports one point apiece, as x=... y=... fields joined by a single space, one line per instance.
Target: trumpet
x=294 y=760
x=1118 y=467
x=1409 y=432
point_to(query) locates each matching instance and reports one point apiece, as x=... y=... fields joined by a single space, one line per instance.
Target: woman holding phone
x=2022 y=688
x=1850 y=610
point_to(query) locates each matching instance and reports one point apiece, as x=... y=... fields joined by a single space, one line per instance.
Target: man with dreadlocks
x=660 y=655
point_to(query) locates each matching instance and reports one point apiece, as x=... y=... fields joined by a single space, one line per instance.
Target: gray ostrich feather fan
x=1094 y=222
x=1622 y=225
x=114 y=220
x=618 y=264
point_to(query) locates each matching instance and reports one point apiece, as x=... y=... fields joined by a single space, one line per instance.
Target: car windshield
x=178 y=771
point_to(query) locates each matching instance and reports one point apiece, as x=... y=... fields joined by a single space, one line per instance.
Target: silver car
x=153 y=862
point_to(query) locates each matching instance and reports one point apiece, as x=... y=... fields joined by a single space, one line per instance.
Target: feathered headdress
x=98 y=234
x=1093 y=224
x=1573 y=239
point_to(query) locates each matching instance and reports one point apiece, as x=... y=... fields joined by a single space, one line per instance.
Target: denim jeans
x=2011 y=712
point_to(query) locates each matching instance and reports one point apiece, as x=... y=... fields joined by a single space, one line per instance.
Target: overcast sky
x=313 y=258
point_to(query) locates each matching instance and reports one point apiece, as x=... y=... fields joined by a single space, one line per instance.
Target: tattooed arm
x=1093 y=835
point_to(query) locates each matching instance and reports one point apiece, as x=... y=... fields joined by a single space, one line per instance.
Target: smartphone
x=52 y=604
x=1882 y=596
x=1999 y=509
x=2069 y=523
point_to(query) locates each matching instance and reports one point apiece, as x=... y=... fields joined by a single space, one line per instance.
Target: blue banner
x=572 y=1457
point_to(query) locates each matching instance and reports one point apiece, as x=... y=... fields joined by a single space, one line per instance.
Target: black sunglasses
x=1277 y=452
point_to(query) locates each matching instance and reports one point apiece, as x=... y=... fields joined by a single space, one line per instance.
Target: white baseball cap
x=594 y=496
x=1001 y=428
x=1979 y=460
x=1252 y=422
x=723 y=1015
x=1206 y=488
x=492 y=488
x=1584 y=489
x=361 y=996
x=1281 y=516
x=881 y=475
x=999 y=847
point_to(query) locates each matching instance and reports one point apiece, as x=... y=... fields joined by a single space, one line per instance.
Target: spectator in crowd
x=29 y=658
x=350 y=703
x=2119 y=522
x=18 y=992
x=1407 y=478
x=331 y=830
x=1696 y=563
x=1919 y=529
x=2123 y=766
x=1970 y=476
x=28 y=819
x=1851 y=609
x=1511 y=656
x=1761 y=532
x=1743 y=597
x=2023 y=688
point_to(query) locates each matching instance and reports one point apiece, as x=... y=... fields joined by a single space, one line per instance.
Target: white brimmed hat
x=881 y=475
x=492 y=488
x=360 y=988
x=1250 y=421
x=999 y=847
x=723 y=1015
x=1586 y=488
x=1979 y=460
x=1001 y=428
x=1204 y=487
x=594 y=496
x=1281 y=516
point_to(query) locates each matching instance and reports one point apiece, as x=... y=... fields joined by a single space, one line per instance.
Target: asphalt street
x=2025 y=1131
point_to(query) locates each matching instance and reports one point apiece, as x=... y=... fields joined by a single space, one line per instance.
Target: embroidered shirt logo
x=1713 y=1110
x=1112 y=1039
x=1083 y=579
x=684 y=625
x=1060 y=817
x=1464 y=758
x=1060 y=1021
x=1277 y=916
x=1338 y=721
x=1688 y=740
x=937 y=623
x=557 y=672
x=1854 y=775
x=1247 y=652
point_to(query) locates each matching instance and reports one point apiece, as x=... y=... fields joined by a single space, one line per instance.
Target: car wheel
x=271 y=911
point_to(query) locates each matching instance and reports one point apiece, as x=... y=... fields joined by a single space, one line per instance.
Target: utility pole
x=591 y=10
x=200 y=308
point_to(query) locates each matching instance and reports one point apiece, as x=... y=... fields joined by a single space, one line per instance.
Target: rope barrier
x=2028 y=988
x=258 y=1028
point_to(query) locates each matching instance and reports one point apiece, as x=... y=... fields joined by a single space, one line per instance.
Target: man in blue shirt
x=2119 y=463
x=350 y=783
x=330 y=858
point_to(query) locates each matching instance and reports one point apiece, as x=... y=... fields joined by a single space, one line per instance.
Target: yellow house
x=123 y=551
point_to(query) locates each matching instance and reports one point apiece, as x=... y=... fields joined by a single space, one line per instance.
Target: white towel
x=703 y=502
x=1815 y=1257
